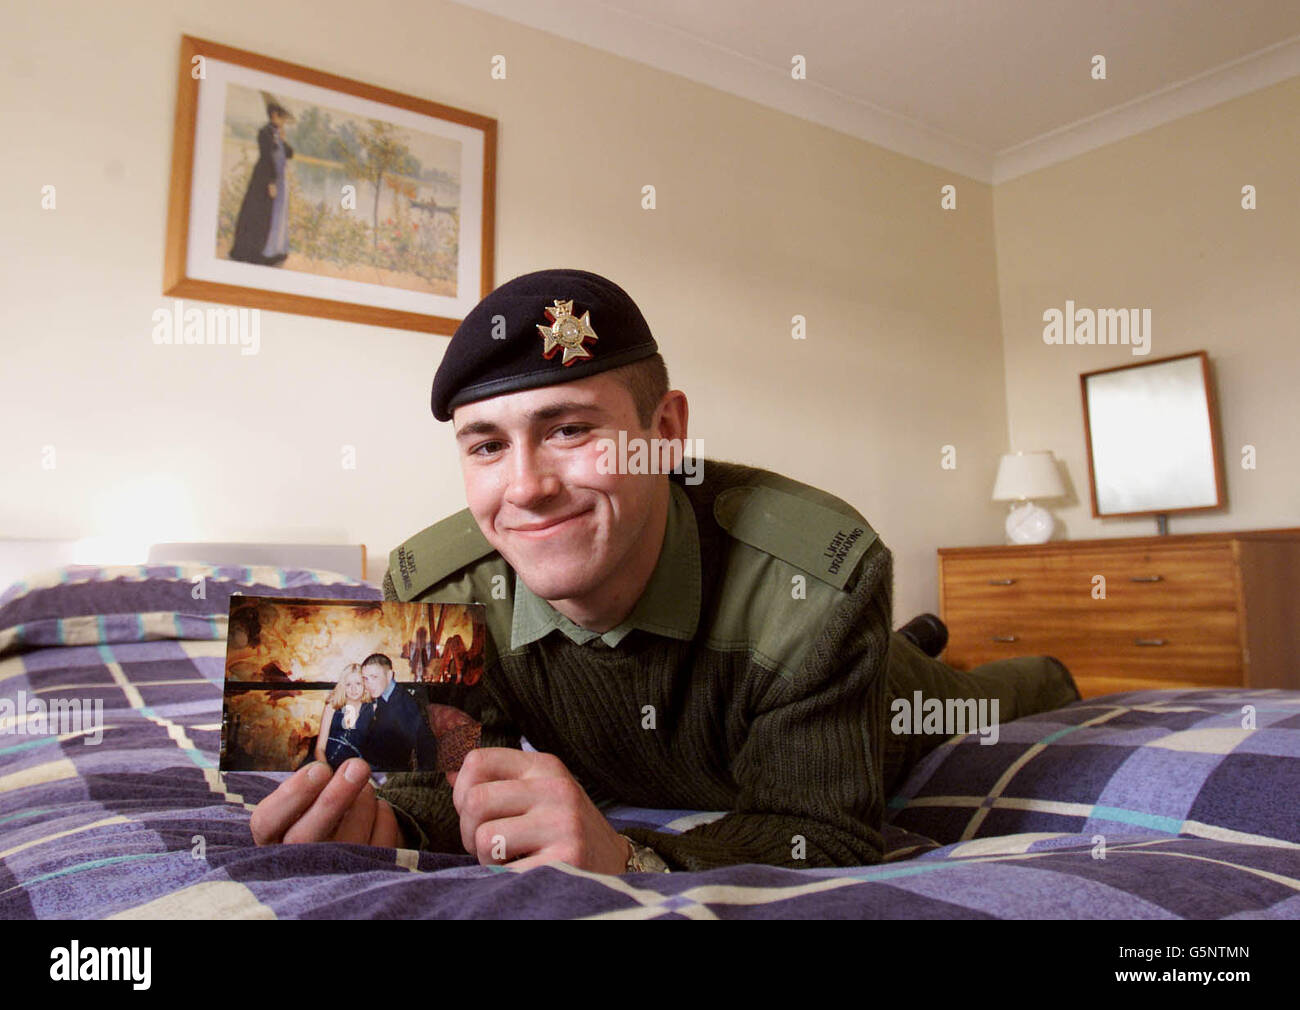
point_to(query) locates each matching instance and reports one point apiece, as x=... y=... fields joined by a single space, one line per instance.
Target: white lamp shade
x=1027 y=475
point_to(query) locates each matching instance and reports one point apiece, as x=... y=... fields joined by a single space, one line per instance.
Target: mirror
x=1152 y=437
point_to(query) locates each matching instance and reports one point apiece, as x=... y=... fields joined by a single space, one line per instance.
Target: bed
x=1147 y=805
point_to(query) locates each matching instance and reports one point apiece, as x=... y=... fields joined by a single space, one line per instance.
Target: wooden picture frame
x=1204 y=443
x=430 y=165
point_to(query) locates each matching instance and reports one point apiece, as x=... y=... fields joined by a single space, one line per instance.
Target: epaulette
x=821 y=541
x=436 y=552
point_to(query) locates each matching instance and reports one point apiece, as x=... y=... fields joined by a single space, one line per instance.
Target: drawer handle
x=1146 y=578
x=1002 y=582
x=1004 y=638
x=1148 y=641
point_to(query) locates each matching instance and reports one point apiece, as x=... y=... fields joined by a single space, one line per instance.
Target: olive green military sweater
x=749 y=678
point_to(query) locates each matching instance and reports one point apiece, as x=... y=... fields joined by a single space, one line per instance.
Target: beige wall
x=760 y=216
x=1155 y=221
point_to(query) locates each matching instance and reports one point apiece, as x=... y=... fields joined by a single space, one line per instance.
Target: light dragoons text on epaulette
x=838 y=549
x=406 y=566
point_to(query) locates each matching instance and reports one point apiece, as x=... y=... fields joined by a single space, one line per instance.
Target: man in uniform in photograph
x=399 y=737
x=713 y=642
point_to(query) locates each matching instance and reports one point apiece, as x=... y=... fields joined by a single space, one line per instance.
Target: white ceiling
x=989 y=88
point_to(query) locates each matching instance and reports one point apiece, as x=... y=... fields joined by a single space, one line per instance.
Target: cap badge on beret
x=567 y=331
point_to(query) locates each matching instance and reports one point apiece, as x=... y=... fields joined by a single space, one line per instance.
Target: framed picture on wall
x=300 y=191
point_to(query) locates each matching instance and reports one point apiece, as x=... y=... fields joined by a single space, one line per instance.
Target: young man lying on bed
x=717 y=639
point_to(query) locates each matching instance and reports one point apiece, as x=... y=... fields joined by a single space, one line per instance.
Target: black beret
x=540 y=329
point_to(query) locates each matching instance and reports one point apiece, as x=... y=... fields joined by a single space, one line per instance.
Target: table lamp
x=1023 y=476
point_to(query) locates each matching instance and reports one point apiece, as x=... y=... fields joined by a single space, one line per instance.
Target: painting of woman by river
x=322 y=191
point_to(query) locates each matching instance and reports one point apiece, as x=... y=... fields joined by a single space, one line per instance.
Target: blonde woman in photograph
x=345 y=719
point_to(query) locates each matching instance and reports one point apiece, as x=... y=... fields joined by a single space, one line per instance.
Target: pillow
x=87 y=605
x=1221 y=764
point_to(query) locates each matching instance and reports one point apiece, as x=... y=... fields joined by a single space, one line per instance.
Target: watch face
x=644 y=860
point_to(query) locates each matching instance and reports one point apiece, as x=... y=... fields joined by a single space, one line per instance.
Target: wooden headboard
x=347 y=559
x=20 y=558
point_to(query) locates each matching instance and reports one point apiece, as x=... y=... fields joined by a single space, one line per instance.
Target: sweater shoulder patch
x=823 y=542
x=435 y=553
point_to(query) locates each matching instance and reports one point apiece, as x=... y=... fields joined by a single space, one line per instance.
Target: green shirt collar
x=670 y=604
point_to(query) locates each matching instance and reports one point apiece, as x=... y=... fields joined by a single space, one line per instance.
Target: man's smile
x=547 y=527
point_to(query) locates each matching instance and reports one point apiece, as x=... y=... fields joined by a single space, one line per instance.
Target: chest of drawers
x=1198 y=610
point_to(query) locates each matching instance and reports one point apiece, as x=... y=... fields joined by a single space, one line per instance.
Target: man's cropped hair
x=647 y=381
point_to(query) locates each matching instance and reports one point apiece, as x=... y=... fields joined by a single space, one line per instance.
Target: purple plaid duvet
x=1156 y=805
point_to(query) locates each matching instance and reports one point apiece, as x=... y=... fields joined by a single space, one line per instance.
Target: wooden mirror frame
x=1212 y=406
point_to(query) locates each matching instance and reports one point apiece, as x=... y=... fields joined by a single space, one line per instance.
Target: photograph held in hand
x=327 y=680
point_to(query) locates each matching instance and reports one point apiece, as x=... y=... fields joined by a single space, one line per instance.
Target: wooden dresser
x=1198 y=610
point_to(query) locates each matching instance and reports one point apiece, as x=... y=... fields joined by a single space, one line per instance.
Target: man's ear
x=669 y=424
x=671 y=415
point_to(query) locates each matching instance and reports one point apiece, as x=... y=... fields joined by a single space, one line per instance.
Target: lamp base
x=1028 y=523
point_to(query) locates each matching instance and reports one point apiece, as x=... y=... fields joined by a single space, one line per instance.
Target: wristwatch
x=643 y=859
